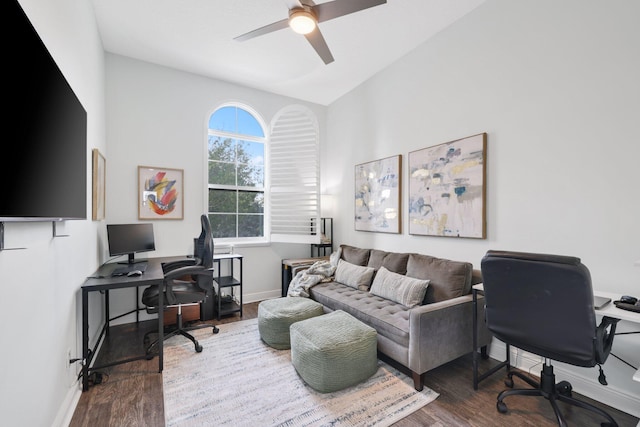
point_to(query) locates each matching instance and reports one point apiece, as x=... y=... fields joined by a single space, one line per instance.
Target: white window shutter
x=295 y=176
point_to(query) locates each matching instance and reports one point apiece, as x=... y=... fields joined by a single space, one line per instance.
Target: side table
x=288 y=266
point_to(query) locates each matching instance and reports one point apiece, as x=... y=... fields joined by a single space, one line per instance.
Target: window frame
x=264 y=239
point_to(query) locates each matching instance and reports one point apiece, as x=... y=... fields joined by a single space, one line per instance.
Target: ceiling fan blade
x=279 y=25
x=335 y=9
x=320 y=45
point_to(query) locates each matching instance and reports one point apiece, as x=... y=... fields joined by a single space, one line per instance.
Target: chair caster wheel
x=509 y=382
x=215 y=330
x=502 y=408
x=564 y=388
x=198 y=348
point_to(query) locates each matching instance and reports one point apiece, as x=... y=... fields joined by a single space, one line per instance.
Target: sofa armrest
x=443 y=331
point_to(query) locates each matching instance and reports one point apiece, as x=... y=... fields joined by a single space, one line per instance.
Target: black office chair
x=543 y=304
x=179 y=292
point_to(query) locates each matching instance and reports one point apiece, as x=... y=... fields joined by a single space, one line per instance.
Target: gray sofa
x=425 y=336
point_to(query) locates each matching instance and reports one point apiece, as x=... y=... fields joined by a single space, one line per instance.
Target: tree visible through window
x=236 y=170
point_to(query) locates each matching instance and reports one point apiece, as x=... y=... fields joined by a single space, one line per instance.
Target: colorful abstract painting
x=447 y=189
x=160 y=193
x=377 y=195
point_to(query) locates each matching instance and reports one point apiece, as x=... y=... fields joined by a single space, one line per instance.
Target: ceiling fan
x=304 y=17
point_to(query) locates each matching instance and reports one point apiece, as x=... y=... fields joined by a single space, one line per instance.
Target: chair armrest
x=194 y=270
x=172 y=265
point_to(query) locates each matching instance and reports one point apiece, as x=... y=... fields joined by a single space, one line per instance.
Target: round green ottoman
x=333 y=351
x=276 y=315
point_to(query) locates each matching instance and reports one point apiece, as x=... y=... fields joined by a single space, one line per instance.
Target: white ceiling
x=197 y=36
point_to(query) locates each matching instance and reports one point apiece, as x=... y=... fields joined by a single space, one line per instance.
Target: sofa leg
x=417 y=381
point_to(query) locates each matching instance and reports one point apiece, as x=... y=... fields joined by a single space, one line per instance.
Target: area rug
x=238 y=380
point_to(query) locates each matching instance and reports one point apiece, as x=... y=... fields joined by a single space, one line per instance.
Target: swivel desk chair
x=179 y=292
x=543 y=304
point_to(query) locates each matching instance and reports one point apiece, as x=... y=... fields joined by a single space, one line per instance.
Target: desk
x=609 y=310
x=102 y=281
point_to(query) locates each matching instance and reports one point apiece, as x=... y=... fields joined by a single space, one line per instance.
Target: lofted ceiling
x=197 y=36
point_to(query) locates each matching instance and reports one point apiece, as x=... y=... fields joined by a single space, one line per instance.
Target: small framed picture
x=98 y=185
x=160 y=193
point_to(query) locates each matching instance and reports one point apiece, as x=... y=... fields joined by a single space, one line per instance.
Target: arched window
x=236 y=174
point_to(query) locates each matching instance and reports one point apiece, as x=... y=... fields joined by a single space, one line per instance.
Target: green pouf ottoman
x=276 y=315
x=333 y=351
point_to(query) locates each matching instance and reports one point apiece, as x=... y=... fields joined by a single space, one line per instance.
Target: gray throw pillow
x=398 y=288
x=353 y=275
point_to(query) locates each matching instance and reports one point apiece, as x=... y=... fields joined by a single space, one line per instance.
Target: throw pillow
x=353 y=275
x=398 y=288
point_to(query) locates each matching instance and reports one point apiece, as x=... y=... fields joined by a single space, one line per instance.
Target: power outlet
x=69 y=359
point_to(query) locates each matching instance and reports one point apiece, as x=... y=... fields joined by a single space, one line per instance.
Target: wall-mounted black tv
x=43 y=159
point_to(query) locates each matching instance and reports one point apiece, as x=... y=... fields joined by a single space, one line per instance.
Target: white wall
x=40 y=316
x=158 y=116
x=555 y=86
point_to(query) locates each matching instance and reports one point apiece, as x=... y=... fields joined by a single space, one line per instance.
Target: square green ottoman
x=276 y=315
x=333 y=351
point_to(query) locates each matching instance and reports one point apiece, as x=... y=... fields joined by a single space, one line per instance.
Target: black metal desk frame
x=102 y=281
x=477 y=377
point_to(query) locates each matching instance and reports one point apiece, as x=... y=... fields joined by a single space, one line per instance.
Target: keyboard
x=123 y=271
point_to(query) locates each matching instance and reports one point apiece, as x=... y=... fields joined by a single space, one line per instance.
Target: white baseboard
x=609 y=395
x=68 y=407
x=260 y=296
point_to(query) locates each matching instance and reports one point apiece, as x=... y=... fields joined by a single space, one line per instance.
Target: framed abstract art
x=447 y=192
x=160 y=193
x=377 y=195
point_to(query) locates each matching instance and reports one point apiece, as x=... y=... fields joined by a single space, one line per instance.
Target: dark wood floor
x=131 y=394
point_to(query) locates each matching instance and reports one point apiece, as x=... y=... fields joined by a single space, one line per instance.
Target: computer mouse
x=134 y=273
x=628 y=299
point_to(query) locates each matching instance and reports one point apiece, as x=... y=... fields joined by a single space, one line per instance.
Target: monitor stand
x=132 y=261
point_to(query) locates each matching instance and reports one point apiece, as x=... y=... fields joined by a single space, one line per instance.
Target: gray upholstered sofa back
x=448 y=279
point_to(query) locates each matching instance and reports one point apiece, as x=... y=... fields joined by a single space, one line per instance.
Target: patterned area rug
x=238 y=380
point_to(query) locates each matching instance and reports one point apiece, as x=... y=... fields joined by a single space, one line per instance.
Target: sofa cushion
x=447 y=279
x=392 y=261
x=355 y=255
x=398 y=288
x=355 y=276
x=389 y=318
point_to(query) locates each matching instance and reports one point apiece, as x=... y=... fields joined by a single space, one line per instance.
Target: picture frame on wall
x=98 y=203
x=447 y=190
x=378 y=189
x=160 y=193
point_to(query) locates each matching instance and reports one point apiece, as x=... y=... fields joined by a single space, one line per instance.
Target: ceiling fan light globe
x=302 y=22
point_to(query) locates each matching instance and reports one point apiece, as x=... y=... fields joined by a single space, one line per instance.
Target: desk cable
x=620 y=359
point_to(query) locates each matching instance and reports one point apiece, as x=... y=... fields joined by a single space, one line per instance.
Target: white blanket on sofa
x=320 y=271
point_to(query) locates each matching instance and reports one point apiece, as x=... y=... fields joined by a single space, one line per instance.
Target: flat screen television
x=130 y=239
x=43 y=160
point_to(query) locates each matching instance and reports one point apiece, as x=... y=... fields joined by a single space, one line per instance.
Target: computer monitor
x=129 y=239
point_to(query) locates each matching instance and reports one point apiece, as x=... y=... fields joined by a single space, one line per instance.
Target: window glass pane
x=248 y=125
x=250 y=225
x=222 y=173
x=250 y=202
x=222 y=201
x=224 y=119
x=222 y=149
x=251 y=152
x=249 y=176
x=223 y=225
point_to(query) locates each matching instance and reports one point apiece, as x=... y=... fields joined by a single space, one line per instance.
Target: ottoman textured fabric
x=333 y=351
x=276 y=315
